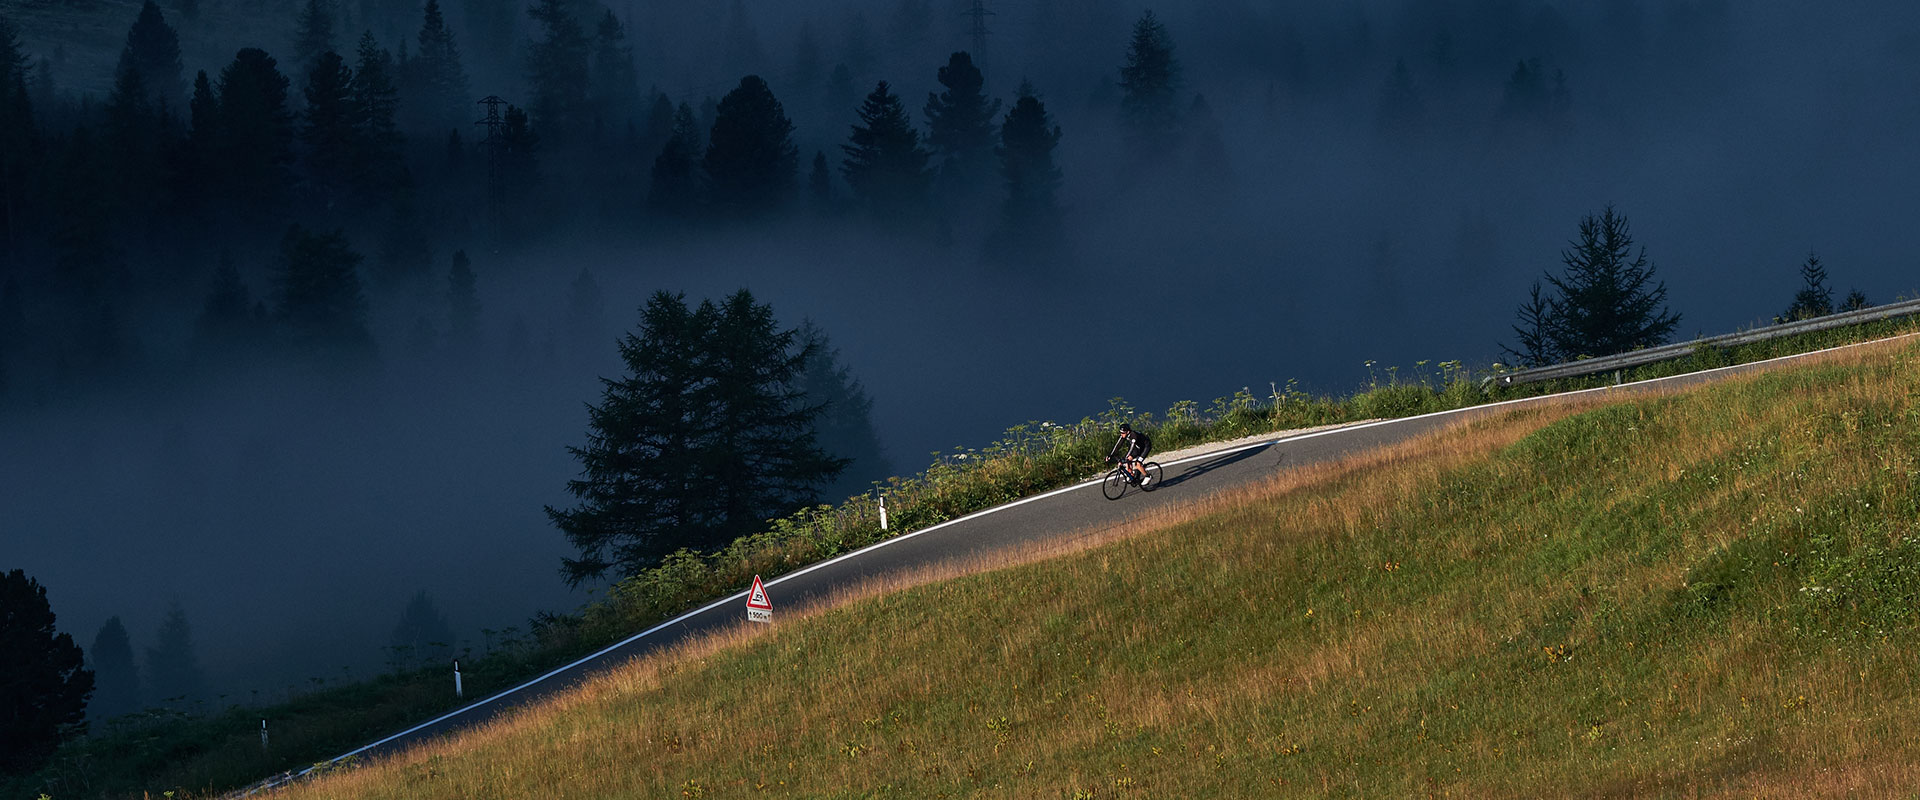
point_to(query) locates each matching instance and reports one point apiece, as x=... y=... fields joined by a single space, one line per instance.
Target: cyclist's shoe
x=1146 y=480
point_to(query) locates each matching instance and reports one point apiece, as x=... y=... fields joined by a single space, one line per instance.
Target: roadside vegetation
x=1722 y=605
x=205 y=754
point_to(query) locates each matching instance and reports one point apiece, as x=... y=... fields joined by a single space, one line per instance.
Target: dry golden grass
x=1498 y=609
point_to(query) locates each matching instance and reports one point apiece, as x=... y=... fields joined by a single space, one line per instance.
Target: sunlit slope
x=1705 y=594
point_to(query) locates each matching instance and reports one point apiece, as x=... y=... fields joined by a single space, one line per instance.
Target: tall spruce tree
x=1030 y=217
x=44 y=681
x=616 y=93
x=463 y=302
x=845 y=427
x=1606 y=301
x=820 y=181
x=1815 y=298
x=764 y=450
x=643 y=480
x=435 y=97
x=318 y=301
x=960 y=127
x=313 y=35
x=675 y=186
x=174 y=678
x=255 y=134
x=329 y=131
x=705 y=438
x=116 y=678
x=379 y=165
x=557 y=71
x=228 y=323
x=19 y=146
x=885 y=166
x=1533 y=332
x=153 y=51
x=751 y=162
x=1150 y=85
x=422 y=636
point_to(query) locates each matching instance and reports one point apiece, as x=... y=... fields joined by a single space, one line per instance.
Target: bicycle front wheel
x=1152 y=481
x=1115 y=484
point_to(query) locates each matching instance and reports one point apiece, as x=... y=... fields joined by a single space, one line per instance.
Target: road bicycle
x=1117 y=481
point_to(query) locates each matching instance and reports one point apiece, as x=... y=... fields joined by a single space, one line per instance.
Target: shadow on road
x=1201 y=468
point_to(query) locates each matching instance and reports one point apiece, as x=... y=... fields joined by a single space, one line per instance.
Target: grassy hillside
x=1706 y=594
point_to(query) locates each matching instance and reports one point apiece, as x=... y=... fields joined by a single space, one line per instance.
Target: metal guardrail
x=1654 y=355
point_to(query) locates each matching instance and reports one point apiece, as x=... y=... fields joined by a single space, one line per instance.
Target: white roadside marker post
x=263 y=733
x=883 y=512
x=459 y=691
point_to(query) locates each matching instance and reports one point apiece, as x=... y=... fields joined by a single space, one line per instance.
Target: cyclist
x=1137 y=446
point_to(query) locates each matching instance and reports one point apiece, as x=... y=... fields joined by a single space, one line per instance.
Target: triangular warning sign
x=757 y=597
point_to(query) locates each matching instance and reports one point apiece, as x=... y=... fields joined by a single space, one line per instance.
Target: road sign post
x=759 y=608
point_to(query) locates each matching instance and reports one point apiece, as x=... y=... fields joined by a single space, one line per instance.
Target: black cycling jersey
x=1138 y=445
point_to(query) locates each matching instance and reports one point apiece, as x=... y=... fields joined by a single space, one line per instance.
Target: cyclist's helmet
x=1126 y=428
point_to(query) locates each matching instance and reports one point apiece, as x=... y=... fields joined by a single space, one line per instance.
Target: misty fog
x=293 y=513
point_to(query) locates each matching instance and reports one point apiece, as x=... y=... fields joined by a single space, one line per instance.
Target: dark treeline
x=266 y=270
x=269 y=194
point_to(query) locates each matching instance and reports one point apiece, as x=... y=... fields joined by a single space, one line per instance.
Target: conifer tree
x=153 y=51
x=1855 y=301
x=1150 y=82
x=845 y=426
x=313 y=34
x=131 y=155
x=116 y=678
x=1030 y=218
x=705 y=438
x=422 y=636
x=174 y=678
x=960 y=127
x=557 y=66
x=751 y=161
x=379 y=165
x=1606 y=301
x=674 y=189
x=19 y=145
x=806 y=61
x=256 y=133
x=820 y=180
x=463 y=303
x=228 y=322
x=642 y=480
x=616 y=97
x=520 y=147
x=885 y=165
x=659 y=124
x=318 y=302
x=44 y=682
x=1815 y=298
x=329 y=130
x=764 y=451
x=435 y=97
x=1533 y=332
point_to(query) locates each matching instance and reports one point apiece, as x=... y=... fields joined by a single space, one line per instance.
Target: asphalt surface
x=1043 y=518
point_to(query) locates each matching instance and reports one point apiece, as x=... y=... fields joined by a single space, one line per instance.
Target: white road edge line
x=1025 y=500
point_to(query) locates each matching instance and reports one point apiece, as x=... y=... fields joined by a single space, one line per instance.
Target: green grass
x=1721 y=605
x=205 y=754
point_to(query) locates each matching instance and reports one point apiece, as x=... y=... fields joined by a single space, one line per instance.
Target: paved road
x=1049 y=516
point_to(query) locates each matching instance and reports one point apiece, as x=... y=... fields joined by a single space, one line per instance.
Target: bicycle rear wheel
x=1152 y=480
x=1115 y=484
